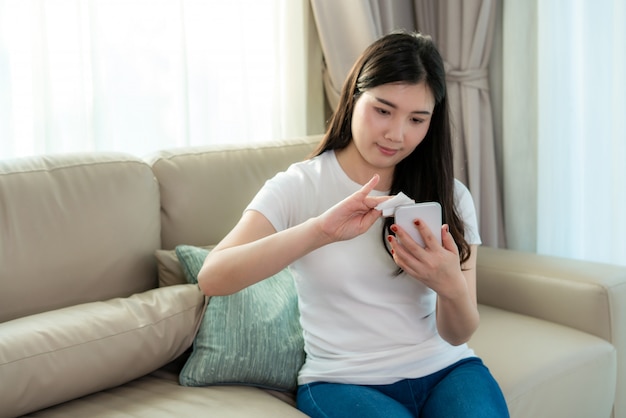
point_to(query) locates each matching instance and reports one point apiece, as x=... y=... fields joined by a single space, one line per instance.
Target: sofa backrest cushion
x=75 y=228
x=204 y=190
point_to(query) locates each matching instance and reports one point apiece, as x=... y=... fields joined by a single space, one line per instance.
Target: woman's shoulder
x=463 y=199
x=301 y=174
x=312 y=167
x=467 y=210
x=460 y=187
x=461 y=191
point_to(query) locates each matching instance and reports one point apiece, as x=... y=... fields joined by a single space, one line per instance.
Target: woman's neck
x=360 y=171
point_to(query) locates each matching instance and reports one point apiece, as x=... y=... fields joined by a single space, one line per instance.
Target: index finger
x=369 y=186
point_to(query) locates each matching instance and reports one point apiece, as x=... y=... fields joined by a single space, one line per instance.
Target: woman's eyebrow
x=392 y=105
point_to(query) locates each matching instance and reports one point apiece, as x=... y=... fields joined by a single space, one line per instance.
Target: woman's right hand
x=266 y=251
x=352 y=216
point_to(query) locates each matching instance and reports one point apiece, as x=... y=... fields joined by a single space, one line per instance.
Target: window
x=142 y=75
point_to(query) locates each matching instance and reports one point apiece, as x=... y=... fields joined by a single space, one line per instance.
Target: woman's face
x=390 y=121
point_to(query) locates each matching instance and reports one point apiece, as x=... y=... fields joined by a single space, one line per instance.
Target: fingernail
x=394 y=228
x=389 y=238
x=417 y=222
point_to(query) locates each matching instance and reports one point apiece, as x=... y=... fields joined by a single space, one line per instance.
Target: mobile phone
x=428 y=212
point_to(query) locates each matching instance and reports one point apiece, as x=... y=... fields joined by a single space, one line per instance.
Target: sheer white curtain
x=140 y=75
x=582 y=135
x=576 y=108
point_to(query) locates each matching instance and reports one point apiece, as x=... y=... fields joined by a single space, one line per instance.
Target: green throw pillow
x=252 y=337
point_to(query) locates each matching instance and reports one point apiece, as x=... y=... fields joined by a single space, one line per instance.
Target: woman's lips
x=386 y=151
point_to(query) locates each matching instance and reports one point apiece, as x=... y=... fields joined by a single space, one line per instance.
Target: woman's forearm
x=457 y=319
x=231 y=268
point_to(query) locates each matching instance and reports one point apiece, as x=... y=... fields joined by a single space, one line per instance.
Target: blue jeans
x=465 y=389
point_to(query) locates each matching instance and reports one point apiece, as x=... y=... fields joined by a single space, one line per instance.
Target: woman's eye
x=416 y=120
x=382 y=111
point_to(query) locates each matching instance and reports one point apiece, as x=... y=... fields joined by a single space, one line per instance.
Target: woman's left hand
x=438 y=267
x=435 y=265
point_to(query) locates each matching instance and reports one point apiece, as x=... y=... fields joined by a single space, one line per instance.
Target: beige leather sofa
x=86 y=331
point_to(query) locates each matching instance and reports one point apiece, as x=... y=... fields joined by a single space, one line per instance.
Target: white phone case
x=429 y=212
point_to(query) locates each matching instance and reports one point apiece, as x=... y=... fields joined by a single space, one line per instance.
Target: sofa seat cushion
x=540 y=364
x=49 y=358
x=153 y=396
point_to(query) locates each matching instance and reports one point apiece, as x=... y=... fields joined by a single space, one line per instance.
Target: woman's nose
x=395 y=131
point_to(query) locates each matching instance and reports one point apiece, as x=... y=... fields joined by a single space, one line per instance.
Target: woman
x=385 y=320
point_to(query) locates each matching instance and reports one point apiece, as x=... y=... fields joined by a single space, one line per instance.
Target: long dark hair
x=426 y=174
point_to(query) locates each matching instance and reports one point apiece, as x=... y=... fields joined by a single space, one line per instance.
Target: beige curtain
x=463 y=30
x=347 y=27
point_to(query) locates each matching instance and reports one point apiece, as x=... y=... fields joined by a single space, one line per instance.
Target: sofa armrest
x=587 y=296
x=584 y=295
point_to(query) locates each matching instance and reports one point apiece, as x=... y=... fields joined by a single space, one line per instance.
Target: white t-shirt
x=362 y=323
